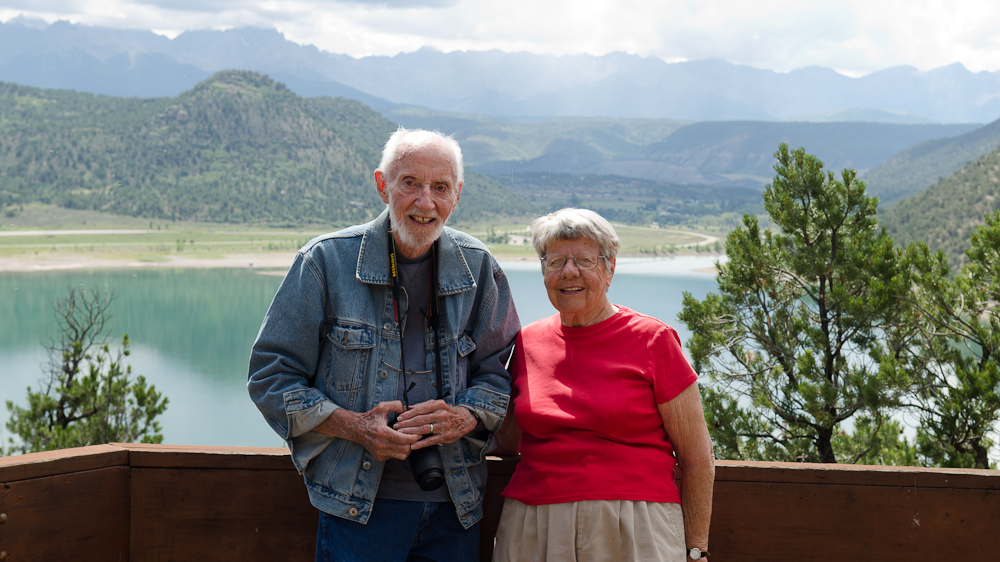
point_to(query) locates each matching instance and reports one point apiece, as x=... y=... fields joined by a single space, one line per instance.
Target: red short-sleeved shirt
x=585 y=399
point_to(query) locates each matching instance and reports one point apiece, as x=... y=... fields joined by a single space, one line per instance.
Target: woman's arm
x=684 y=421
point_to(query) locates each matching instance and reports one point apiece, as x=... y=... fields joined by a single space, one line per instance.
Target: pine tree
x=793 y=341
x=90 y=396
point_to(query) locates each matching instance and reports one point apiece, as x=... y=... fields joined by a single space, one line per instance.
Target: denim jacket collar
x=454 y=275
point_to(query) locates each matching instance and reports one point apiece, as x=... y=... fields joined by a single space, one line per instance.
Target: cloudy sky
x=852 y=36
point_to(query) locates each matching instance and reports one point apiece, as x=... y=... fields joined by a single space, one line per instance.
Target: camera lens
x=427 y=468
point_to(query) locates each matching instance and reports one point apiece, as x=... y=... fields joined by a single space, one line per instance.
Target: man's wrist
x=475 y=416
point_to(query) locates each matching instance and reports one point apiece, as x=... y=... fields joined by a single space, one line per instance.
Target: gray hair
x=403 y=141
x=573 y=224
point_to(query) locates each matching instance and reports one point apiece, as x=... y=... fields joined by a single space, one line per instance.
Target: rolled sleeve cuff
x=306 y=409
x=488 y=405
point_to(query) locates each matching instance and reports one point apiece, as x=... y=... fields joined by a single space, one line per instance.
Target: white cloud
x=854 y=36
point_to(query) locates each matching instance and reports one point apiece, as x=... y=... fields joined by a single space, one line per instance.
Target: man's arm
x=284 y=357
x=496 y=325
x=508 y=436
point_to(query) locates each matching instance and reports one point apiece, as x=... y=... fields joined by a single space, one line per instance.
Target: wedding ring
x=432 y=428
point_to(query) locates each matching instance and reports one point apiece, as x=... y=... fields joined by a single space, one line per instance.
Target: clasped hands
x=430 y=423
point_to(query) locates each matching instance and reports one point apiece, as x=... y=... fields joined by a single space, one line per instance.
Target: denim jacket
x=330 y=340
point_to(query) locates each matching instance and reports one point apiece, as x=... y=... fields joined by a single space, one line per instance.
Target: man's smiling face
x=421 y=189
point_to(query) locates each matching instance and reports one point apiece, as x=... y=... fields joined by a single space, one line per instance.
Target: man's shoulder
x=476 y=255
x=466 y=241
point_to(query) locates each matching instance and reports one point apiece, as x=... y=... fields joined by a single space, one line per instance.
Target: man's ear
x=380 y=186
x=459 y=196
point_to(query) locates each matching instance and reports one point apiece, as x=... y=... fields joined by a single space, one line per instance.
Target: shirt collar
x=454 y=275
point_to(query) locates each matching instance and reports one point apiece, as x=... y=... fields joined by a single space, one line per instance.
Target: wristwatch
x=697 y=554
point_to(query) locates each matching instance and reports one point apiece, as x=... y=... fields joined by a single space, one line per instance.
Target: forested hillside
x=945 y=214
x=238 y=147
x=663 y=150
x=631 y=200
x=743 y=151
x=919 y=166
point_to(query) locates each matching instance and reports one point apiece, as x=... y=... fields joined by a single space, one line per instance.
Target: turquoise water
x=191 y=331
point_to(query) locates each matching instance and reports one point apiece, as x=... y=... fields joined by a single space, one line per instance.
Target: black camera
x=425 y=464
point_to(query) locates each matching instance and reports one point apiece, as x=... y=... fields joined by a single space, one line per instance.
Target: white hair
x=404 y=141
x=573 y=224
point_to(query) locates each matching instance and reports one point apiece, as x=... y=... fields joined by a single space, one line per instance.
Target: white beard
x=406 y=237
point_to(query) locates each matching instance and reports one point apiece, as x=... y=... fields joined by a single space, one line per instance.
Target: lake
x=191 y=331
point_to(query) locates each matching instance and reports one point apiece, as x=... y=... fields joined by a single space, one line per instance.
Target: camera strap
x=432 y=314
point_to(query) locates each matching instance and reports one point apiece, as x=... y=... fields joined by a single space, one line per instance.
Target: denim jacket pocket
x=349 y=356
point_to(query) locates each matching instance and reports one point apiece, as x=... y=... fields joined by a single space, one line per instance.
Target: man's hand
x=371 y=430
x=439 y=421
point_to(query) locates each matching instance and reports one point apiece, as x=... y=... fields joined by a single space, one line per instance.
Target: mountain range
x=635 y=138
x=493 y=83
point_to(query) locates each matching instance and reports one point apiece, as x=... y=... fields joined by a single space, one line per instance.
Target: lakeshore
x=279 y=262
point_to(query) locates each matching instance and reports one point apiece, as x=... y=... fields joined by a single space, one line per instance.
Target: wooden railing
x=153 y=502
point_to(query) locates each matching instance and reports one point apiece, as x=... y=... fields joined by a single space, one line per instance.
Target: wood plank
x=190 y=456
x=76 y=516
x=841 y=474
x=499 y=472
x=50 y=463
x=765 y=521
x=203 y=514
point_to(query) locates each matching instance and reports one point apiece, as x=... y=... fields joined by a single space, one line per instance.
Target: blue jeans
x=402 y=531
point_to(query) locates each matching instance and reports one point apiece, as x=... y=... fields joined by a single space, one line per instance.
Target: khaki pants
x=590 y=531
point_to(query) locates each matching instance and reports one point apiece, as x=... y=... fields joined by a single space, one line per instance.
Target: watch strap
x=701 y=553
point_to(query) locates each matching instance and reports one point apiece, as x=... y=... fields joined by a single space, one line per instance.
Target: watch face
x=694 y=553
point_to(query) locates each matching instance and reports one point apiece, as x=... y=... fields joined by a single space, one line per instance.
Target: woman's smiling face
x=580 y=296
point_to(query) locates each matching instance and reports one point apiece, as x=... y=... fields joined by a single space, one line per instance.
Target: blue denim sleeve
x=285 y=355
x=496 y=325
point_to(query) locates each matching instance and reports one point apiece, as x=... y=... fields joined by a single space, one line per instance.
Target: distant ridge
x=732 y=153
x=945 y=214
x=918 y=167
x=861 y=115
x=238 y=147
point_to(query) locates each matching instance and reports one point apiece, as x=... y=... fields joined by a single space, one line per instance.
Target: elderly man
x=381 y=364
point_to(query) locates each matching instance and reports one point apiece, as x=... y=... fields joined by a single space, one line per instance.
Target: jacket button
x=367 y=465
x=386 y=327
x=383 y=375
x=353 y=512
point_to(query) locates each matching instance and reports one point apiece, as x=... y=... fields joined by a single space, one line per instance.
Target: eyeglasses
x=556 y=262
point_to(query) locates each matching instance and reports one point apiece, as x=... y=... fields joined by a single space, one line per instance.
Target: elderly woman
x=604 y=406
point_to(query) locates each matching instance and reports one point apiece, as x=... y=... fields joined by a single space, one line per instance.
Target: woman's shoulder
x=639 y=322
x=541 y=326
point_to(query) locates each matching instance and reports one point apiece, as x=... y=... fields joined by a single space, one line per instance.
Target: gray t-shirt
x=397 y=480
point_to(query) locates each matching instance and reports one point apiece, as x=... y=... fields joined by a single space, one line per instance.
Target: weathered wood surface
x=777 y=511
x=36 y=465
x=152 y=502
x=72 y=516
x=212 y=514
